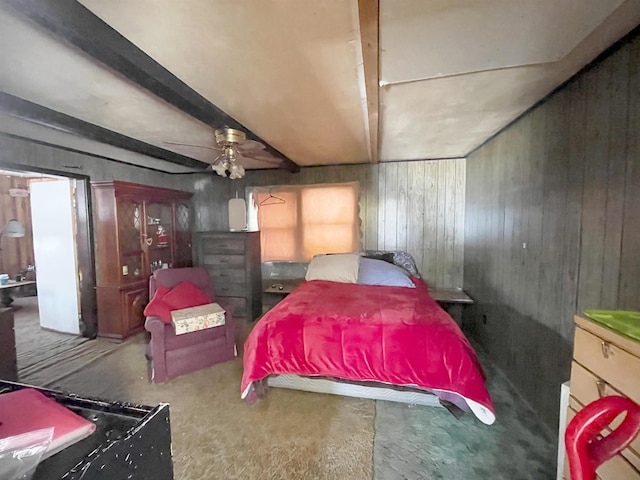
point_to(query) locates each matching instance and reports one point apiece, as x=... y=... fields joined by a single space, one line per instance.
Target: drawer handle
x=600 y=385
x=606 y=349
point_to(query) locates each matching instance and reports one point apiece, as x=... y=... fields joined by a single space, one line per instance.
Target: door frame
x=84 y=243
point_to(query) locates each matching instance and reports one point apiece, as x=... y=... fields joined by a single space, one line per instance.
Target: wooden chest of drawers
x=233 y=260
x=605 y=363
x=8 y=363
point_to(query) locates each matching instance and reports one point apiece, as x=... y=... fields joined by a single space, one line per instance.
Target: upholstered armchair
x=173 y=355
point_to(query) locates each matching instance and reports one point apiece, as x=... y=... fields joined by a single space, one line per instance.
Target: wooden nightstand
x=451 y=300
x=275 y=289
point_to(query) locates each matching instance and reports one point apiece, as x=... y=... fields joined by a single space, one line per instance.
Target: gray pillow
x=379 y=272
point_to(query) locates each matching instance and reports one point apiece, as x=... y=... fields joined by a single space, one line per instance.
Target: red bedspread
x=393 y=335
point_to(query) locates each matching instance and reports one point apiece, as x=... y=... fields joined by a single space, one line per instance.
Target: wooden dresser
x=8 y=363
x=605 y=363
x=233 y=260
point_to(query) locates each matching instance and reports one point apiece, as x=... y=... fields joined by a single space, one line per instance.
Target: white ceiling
x=451 y=73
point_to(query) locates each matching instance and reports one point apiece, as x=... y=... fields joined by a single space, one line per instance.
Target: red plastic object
x=587 y=449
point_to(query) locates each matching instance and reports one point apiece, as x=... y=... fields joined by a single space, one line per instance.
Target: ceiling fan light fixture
x=221 y=168
x=229 y=136
x=236 y=171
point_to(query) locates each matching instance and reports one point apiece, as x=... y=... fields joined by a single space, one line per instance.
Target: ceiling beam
x=368 y=12
x=35 y=113
x=77 y=25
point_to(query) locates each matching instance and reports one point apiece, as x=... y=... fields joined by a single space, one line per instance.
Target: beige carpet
x=287 y=435
x=35 y=345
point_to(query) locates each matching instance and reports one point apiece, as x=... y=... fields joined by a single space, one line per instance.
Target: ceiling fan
x=233 y=147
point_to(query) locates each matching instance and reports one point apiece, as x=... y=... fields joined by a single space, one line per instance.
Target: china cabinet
x=138 y=230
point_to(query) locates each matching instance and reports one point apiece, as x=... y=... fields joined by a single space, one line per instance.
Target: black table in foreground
x=130 y=442
x=6 y=299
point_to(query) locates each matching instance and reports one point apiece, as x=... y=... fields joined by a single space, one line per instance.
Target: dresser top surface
x=628 y=344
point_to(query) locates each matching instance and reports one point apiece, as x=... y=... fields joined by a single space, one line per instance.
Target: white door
x=54 y=247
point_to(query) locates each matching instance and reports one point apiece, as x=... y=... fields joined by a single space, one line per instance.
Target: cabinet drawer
x=616 y=468
x=215 y=260
x=231 y=289
x=222 y=276
x=222 y=245
x=606 y=360
x=585 y=389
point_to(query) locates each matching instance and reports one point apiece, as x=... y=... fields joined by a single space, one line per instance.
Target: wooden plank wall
x=414 y=206
x=17 y=151
x=15 y=253
x=564 y=182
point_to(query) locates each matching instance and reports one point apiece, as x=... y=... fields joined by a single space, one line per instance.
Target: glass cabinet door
x=157 y=237
x=182 y=250
x=130 y=226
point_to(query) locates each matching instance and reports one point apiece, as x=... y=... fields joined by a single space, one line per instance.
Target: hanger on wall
x=272 y=200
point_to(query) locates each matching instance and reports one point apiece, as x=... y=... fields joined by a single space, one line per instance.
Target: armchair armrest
x=154 y=325
x=230 y=326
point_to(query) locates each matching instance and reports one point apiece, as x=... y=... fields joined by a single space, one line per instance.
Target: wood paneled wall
x=413 y=206
x=15 y=253
x=16 y=151
x=552 y=225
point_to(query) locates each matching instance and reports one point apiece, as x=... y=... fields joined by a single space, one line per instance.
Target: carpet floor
x=288 y=435
x=299 y=435
x=43 y=356
x=416 y=442
x=34 y=344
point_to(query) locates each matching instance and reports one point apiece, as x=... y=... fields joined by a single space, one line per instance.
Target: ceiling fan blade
x=260 y=158
x=192 y=145
x=266 y=156
x=250 y=146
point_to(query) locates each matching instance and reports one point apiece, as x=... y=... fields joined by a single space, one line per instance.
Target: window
x=299 y=221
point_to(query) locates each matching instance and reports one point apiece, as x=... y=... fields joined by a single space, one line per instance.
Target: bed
x=372 y=340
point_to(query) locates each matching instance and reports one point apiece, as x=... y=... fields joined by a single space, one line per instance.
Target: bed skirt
x=324 y=385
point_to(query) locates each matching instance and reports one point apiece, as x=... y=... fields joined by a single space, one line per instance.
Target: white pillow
x=340 y=267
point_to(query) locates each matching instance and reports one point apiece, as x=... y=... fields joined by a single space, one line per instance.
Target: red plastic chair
x=587 y=449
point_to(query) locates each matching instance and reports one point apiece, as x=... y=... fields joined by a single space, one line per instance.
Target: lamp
x=13 y=229
x=227 y=164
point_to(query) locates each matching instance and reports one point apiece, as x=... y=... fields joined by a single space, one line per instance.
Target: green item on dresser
x=624 y=322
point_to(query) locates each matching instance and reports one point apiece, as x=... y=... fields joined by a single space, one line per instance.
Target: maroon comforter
x=394 y=335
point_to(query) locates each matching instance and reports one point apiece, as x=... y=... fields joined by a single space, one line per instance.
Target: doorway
x=48 y=320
